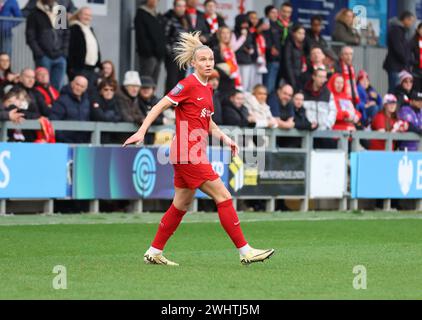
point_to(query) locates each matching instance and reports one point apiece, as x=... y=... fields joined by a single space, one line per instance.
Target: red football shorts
x=192 y=176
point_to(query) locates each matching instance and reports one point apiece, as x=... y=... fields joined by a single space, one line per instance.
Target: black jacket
x=233 y=116
x=272 y=40
x=37 y=105
x=107 y=110
x=212 y=38
x=292 y=65
x=173 y=26
x=399 y=55
x=301 y=121
x=218 y=109
x=43 y=39
x=146 y=105
x=242 y=54
x=78 y=49
x=312 y=41
x=150 y=38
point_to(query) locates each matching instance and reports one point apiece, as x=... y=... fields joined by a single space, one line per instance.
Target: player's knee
x=183 y=205
x=224 y=196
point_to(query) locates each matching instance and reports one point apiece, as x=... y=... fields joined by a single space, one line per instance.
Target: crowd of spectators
x=270 y=71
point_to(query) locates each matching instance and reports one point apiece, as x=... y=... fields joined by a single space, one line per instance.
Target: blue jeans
x=270 y=78
x=56 y=67
x=393 y=81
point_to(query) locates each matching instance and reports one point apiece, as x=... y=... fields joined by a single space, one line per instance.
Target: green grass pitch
x=315 y=257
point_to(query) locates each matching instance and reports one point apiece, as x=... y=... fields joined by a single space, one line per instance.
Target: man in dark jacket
x=73 y=105
x=147 y=99
x=235 y=113
x=281 y=106
x=150 y=39
x=313 y=35
x=49 y=44
x=399 y=55
x=37 y=106
x=273 y=49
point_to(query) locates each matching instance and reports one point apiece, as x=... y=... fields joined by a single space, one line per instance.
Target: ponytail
x=186 y=48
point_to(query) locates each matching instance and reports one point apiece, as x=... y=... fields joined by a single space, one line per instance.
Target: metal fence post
x=344 y=145
x=308 y=145
x=3 y=207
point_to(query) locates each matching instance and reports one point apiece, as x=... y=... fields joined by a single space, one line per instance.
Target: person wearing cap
x=370 y=101
x=43 y=86
x=387 y=121
x=404 y=89
x=412 y=114
x=147 y=99
x=128 y=98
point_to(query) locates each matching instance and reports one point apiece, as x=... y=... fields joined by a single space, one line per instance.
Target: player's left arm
x=215 y=131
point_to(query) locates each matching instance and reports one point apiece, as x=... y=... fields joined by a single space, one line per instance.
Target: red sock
x=230 y=222
x=168 y=225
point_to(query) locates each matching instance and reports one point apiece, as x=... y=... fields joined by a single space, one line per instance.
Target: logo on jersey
x=177 y=89
x=205 y=113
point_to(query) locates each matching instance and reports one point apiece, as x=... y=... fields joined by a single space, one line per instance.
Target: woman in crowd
x=347 y=116
x=404 y=89
x=343 y=30
x=416 y=47
x=387 y=121
x=370 y=101
x=256 y=103
x=84 y=49
x=294 y=57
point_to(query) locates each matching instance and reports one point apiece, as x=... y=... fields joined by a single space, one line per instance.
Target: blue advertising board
x=327 y=9
x=33 y=171
x=132 y=173
x=386 y=175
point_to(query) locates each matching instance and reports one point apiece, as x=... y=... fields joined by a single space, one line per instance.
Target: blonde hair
x=186 y=48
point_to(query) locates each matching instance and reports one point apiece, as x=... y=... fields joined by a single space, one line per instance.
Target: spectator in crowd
x=128 y=98
x=347 y=116
x=412 y=115
x=300 y=119
x=150 y=39
x=403 y=91
x=105 y=108
x=43 y=86
x=284 y=21
x=281 y=106
x=330 y=61
x=235 y=113
x=196 y=18
x=32 y=5
x=285 y=25
x=107 y=71
x=320 y=107
x=343 y=30
x=8 y=9
x=226 y=62
x=5 y=66
x=316 y=61
x=387 y=121
x=148 y=99
x=370 y=101
x=346 y=69
x=49 y=45
x=313 y=35
x=257 y=29
x=294 y=59
x=73 y=105
x=214 y=81
x=416 y=48
x=84 y=49
x=10 y=107
x=246 y=52
x=213 y=22
x=256 y=103
x=273 y=49
x=399 y=54
x=37 y=106
x=176 y=22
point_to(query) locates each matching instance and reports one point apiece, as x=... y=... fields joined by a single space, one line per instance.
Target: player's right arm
x=139 y=136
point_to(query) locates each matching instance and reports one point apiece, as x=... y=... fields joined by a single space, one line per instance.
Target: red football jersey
x=194 y=109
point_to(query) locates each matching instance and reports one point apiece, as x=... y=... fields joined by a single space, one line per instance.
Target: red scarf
x=192 y=13
x=260 y=42
x=212 y=22
x=230 y=58
x=420 y=52
x=347 y=77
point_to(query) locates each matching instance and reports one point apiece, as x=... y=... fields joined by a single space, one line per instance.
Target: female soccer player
x=192 y=98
